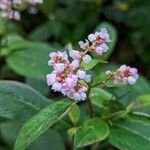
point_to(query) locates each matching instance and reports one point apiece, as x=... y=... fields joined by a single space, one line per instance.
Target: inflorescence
x=8 y=8
x=67 y=76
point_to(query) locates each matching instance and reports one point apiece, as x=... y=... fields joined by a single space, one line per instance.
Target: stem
x=89 y=106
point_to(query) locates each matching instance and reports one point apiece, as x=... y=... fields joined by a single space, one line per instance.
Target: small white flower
x=131 y=80
x=122 y=68
x=71 y=82
x=82 y=45
x=51 y=78
x=50 y=63
x=88 y=78
x=91 y=37
x=75 y=63
x=81 y=74
x=77 y=96
x=108 y=72
x=56 y=86
x=87 y=59
x=59 y=67
x=83 y=96
x=74 y=54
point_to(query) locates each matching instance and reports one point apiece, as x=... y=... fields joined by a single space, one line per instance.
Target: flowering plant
x=71 y=97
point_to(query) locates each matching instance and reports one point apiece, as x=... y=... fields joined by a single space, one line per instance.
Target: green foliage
x=99 y=96
x=51 y=138
x=41 y=122
x=121 y=114
x=19 y=101
x=130 y=135
x=94 y=130
x=142 y=101
x=31 y=57
x=92 y=64
x=74 y=114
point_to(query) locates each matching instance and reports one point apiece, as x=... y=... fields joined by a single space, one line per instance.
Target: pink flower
x=104 y=35
x=59 y=67
x=51 y=79
x=75 y=63
x=65 y=76
x=101 y=49
x=75 y=54
x=123 y=75
x=9 y=9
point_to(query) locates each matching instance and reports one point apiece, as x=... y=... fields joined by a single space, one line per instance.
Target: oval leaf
x=19 y=101
x=41 y=122
x=94 y=130
x=99 y=95
x=32 y=57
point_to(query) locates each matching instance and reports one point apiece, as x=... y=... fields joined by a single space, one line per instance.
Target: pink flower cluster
x=66 y=76
x=8 y=8
x=123 y=75
x=96 y=42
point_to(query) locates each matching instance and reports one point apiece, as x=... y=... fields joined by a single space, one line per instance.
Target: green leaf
x=32 y=61
x=2 y=26
x=92 y=64
x=42 y=32
x=71 y=132
x=99 y=96
x=16 y=42
x=19 y=101
x=130 y=135
x=142 y=101
x=113 y=36
x=39 y=85
x=47 y=6
x=94 y=130
x=74 y=114
x=41 y=122
x=99 y=78
x=50 y=139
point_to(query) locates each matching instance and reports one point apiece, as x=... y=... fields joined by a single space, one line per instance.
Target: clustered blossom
x=67 y=75
x=8 y=8
x=96 y=42
x=123 y=75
